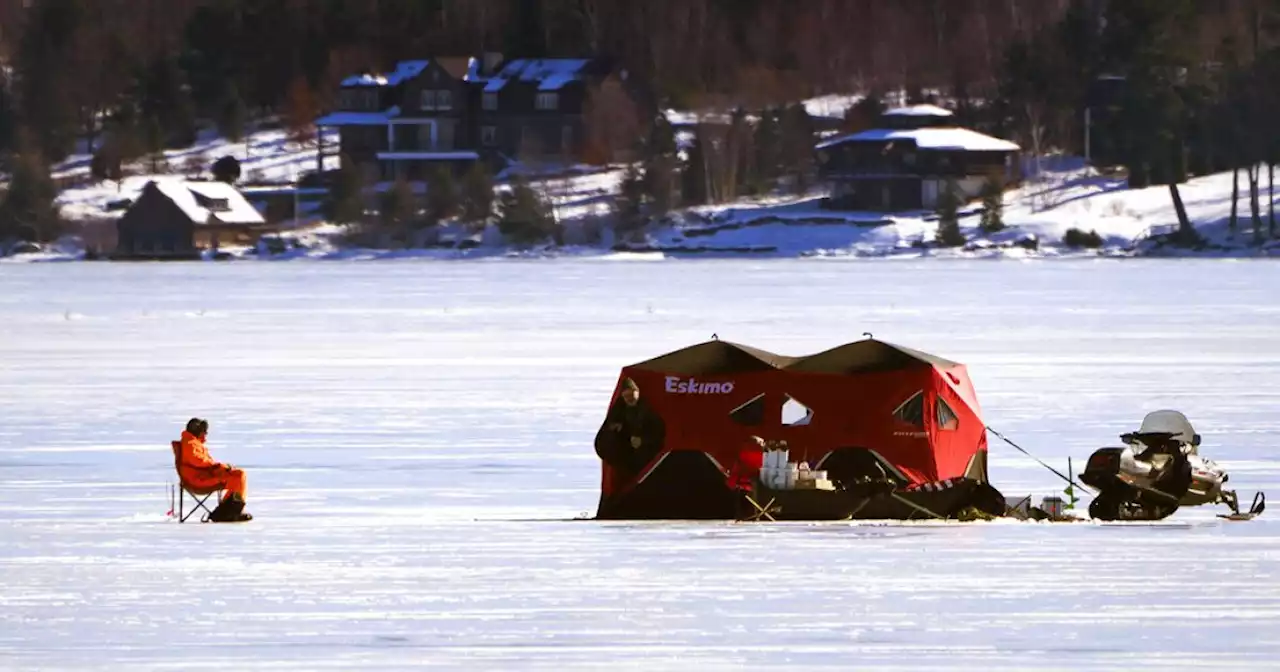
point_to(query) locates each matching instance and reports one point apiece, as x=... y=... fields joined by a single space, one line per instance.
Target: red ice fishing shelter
x=916 y=413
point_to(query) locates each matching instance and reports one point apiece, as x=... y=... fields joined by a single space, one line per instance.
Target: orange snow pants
x=208 y=479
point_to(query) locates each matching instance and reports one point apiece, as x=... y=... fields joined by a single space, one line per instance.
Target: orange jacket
x=194 y=454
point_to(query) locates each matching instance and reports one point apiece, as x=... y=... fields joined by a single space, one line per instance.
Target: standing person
x=632 y=434
x=198 y=470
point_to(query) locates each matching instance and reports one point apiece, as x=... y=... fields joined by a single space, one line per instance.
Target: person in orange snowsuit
x=200 y=472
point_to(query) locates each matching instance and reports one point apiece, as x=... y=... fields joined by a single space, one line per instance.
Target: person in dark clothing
x=632 y=434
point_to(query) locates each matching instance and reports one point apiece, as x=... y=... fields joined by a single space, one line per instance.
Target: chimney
x=491 y=61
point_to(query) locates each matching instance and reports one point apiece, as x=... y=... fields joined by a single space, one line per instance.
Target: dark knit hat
x=197 y=426
x=628 y=384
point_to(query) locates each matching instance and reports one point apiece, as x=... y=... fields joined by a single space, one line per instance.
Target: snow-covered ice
x=417 y=438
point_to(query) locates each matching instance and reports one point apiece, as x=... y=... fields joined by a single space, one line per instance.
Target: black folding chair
x=198 y=495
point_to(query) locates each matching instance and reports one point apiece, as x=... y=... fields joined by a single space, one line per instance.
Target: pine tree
x=660 y=184
x=766 y=165
x=165 y=105
x=45 y=74
x=226 y=169
x=346 y=198
x=27 y=210
x=864 y=114
x=212 y=58
x=658 y=176
x=629 y=206
x=797 y=147
x=693 y=180
x=301 y=110
x=232 y=115
x=397 y=208
x=443 y=200
x=477 y=196
x=526 y=219
x=949 y=216
x=8 y=116
x=993 y=204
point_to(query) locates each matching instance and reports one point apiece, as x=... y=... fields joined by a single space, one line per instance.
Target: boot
x=229 y=510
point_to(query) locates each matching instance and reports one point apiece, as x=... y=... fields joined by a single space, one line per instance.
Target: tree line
x=1174 y=87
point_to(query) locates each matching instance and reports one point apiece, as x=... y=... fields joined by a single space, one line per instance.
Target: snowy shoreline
x=1061 y=198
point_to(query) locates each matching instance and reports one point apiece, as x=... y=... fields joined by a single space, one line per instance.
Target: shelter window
x=749 y=414
x=911 y=411
x=795 y=413
x=947 y=419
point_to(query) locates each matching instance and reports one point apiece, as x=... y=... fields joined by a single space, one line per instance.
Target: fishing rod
x=1070 y=481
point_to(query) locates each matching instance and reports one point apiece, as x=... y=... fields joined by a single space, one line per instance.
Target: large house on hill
x=908 y=161
x=455 y=111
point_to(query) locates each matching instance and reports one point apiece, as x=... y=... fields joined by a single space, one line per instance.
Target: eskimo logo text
x=677 y=386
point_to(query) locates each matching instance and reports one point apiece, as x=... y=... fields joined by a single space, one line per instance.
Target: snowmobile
x=1158 y=470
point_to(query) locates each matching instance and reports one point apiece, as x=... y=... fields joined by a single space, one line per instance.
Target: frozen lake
x=417 y=437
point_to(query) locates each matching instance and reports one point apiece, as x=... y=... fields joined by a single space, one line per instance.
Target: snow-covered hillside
x=1038 y=214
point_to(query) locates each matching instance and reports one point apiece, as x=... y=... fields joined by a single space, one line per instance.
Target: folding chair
x=198 y=495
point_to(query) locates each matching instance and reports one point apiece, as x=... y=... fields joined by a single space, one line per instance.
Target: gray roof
x=720 y=357
x=866 y=356
x=715 y=357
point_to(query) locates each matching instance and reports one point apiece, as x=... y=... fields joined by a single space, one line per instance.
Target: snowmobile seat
x=198 y=495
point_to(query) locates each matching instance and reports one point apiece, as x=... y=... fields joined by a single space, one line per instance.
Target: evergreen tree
x=27 y=210
x=346 y=197
x=797 y=147
x=949 y=234
x=993 y=204
x=232 y=115
x=629 y=206
x=46 y=76
x=301 y=110
x=397 y=208
x=165 y=105
x=477 y=196
x=226 y=169
x=693 y=183
x=659 y=174
x=443 y=200
x=212 y=44
x=8 y=116
x=660 y=184
x=767 y=163
x=526 y=219
x=864 y=114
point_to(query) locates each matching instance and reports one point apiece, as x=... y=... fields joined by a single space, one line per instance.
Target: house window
x=488 y=135
x=911 y=411
x=547 y=101
x=437 y=100
x=947 y=419
x=490 y=102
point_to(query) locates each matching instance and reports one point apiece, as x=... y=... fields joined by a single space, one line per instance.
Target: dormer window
x=547 y=101
x=212 y=204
